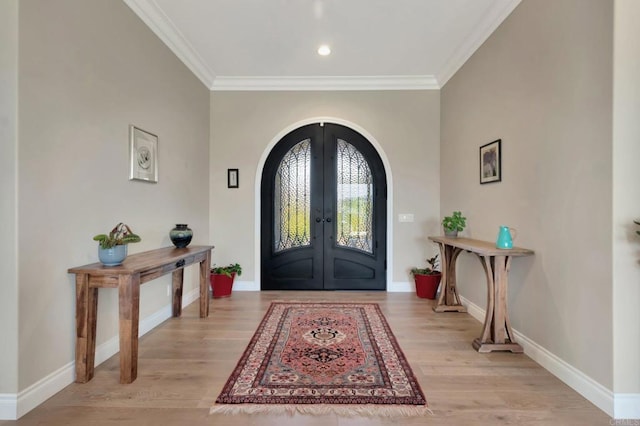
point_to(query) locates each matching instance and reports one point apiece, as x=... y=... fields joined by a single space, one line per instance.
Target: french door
x=323 y=212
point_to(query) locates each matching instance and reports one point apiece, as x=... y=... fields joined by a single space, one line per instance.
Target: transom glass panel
x=354 y=199
x=292 y=198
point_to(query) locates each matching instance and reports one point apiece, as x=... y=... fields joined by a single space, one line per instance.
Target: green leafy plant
x=430 y=270
x=227 y=270
x=121 y=234
x=455 y=222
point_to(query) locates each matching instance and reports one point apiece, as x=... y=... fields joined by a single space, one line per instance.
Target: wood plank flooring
x=184 y=362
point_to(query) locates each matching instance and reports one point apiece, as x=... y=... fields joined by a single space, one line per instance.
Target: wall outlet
x=405 y=217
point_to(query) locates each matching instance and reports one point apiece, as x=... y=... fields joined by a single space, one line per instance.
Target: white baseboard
x=394 y=287
x=8 y=406
x=14 y=406
x=401 y=287
x=44 y=389
x=627 y=406
x=618 y=406
x=245 y=286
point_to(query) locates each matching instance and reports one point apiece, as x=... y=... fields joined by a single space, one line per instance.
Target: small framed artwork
x=491 y=162
x=233 y=178
x=143 y=155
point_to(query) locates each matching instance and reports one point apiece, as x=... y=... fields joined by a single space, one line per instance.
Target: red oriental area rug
x=320 y=358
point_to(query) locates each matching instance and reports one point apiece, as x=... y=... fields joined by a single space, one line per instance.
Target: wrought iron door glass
x=354 y=199
x=292 y=201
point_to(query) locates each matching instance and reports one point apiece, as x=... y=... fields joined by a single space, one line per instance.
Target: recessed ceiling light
x=324 y=50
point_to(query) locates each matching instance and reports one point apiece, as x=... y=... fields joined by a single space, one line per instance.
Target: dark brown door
x=323 y=208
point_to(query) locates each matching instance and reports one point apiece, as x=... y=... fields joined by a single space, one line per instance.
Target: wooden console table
x=496 y=332
x=136 y=269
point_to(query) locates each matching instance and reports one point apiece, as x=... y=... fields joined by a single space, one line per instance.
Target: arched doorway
x=323 y=212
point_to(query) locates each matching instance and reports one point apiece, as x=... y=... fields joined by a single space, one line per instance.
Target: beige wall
x=626 y=199
x=88 y=69
x=8 y=189
x=404 y=124
x=543 y=84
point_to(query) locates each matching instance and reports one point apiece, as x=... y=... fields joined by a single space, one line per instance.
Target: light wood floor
x=184 y=362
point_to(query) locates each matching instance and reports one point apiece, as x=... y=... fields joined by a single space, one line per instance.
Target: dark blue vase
x=181 y=235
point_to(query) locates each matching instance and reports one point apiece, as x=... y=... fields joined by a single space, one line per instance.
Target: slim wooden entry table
x=496 y=332
x=136 y=269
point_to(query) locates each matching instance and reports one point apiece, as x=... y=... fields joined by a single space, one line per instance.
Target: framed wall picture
x=233 y=178
x=143 y=155
x=491 y=162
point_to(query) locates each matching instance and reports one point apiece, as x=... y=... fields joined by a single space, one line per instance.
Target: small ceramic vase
x=181 y=235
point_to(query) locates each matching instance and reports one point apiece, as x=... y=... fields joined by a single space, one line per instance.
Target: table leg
x=176 y=284
x=496 y=332
x=486 y=336
x=129 y=299
x=449 y=301
x=503 y=332
x=86 y=315
x=205 y=272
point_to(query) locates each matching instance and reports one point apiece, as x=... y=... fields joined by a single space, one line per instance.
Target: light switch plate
x=405 y=217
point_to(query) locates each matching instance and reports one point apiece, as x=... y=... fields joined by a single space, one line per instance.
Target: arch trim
x=258 y=183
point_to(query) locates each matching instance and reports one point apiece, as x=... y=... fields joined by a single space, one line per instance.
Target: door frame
x=258 y=181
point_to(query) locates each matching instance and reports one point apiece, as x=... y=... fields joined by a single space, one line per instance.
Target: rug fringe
x=367 y=410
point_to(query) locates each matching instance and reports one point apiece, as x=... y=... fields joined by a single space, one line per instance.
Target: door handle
x=328 y=219
x=318 y=219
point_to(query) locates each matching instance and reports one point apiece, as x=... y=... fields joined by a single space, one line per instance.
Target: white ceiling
x=272 y=44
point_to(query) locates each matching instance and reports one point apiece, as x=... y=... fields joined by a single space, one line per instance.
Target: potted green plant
x=222 y=278
x=112 y=247
x=454 y=224
x=427 y=279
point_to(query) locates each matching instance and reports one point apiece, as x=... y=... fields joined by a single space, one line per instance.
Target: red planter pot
x=221 y=284
x=427 y=285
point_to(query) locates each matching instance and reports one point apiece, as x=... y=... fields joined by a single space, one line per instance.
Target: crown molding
x=481 y=33
x=420 y=82
x=149 y=12
x=163 y=27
